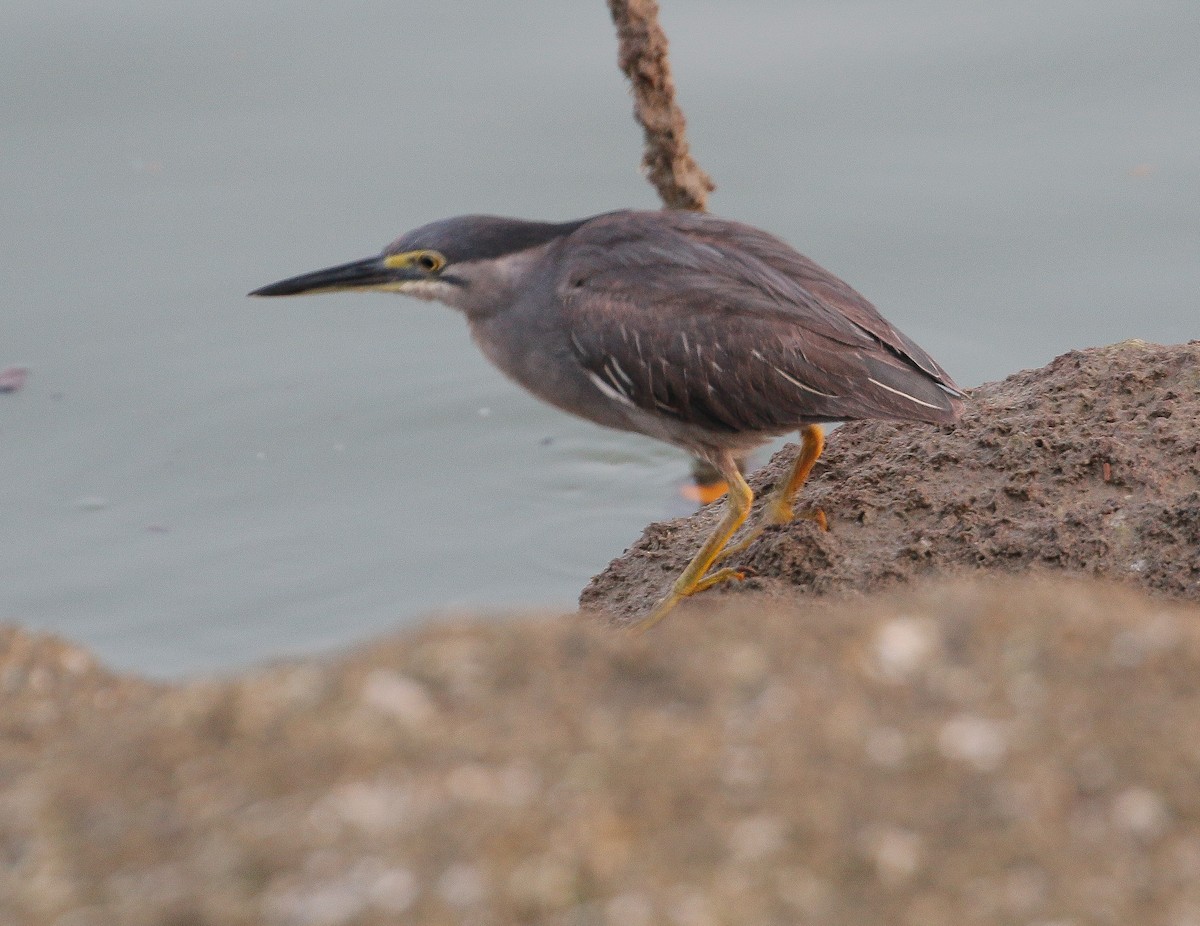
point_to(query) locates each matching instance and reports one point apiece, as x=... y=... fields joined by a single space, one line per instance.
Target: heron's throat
x=483 y=288
x=433 y=290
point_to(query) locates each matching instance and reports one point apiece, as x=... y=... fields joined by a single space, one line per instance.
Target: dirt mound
x=1090 y=465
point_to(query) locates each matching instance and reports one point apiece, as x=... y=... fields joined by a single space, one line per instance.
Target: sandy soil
x=1090 y=465
x=993 y=743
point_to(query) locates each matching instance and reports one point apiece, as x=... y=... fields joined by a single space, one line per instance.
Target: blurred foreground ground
x=965 y=749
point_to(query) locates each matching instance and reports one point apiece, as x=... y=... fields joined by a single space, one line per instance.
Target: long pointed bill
x=372 y=273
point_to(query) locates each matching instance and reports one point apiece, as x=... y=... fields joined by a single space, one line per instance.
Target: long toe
x=657 y=613
x=728 y=574
x=817 y=516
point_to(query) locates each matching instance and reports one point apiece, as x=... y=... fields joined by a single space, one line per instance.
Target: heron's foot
x=817 y=516
x=776 y=512
x=695 y=576
x=678 y=593
x=658 y=612
x=780 y=511
x=728 y=574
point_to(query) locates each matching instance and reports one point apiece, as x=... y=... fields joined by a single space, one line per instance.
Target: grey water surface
x=192 y=480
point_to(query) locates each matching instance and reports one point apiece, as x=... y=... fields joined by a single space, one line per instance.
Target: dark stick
x=643 y=56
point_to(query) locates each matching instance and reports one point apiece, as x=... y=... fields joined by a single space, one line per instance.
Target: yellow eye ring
x=430 y=261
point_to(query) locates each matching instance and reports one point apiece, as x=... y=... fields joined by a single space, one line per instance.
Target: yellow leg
x=779 y=505
x=691 y=579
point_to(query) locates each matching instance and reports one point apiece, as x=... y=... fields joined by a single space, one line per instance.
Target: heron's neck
x=491 y=287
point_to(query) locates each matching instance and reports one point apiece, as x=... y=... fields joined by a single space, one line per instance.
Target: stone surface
x=1090 y=465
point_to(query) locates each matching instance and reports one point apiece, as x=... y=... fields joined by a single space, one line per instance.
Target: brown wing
x=723 y=327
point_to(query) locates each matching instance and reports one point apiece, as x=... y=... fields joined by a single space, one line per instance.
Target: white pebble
x=896 y=853
x=902 y=646
x=1139 y=811
x=1130 y=648
x=757 y=837
x=372 y=808
x=398 y=696
x=977 y=741
x=395 y=890
x=329 y=903
x=76 y=661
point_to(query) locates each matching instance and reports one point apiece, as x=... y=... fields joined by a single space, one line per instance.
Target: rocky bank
x=1090 y=466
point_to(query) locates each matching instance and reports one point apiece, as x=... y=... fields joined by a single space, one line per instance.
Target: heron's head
x=457 y=261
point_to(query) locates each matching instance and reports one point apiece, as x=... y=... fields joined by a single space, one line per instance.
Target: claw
x=818 y=516
x=729 y=574
x=696 y=577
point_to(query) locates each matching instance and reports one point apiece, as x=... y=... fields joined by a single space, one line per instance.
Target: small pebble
x=757 y=838
x=1140 y=811
x=76 y=661
x=373 y=808
x=896 y=853
x=1130 y=648
x=395 y=890
x=902 y=646
x=398 y=696
x=974 y=740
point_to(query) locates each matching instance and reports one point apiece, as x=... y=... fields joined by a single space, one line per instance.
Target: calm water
x=194 y=480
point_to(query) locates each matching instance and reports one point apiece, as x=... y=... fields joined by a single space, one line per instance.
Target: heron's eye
x=430 y=261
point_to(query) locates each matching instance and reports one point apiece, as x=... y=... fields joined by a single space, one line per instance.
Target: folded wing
x=729 y=329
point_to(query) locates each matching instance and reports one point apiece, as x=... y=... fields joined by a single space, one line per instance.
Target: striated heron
x=705 y=333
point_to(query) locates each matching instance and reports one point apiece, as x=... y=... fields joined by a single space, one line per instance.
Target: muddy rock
x=1088 y=466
